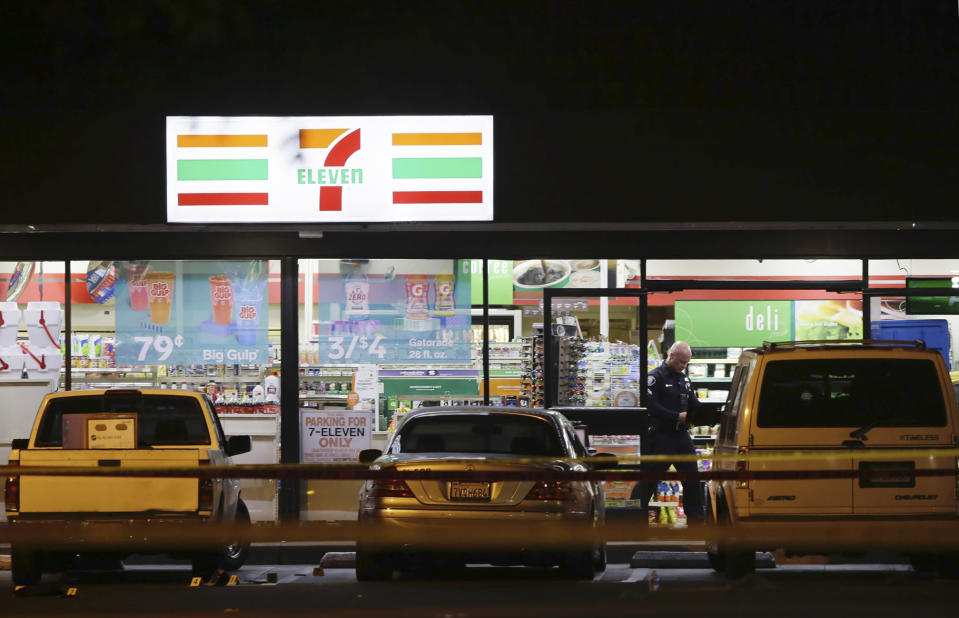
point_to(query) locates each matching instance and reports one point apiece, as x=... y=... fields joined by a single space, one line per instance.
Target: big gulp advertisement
x=191 y=313
x=406 y=312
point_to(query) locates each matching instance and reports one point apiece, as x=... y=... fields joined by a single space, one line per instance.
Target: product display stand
x=532 y=394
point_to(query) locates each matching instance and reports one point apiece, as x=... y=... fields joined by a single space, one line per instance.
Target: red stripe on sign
x=223 y=199
x=437 y=197
x=331 y=198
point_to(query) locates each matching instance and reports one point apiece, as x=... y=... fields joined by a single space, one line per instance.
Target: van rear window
x=161 y=421
x=845 y=392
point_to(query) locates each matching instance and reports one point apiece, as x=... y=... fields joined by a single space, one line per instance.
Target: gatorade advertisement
x=374 y=312
x=417 y=297
x=445 y=302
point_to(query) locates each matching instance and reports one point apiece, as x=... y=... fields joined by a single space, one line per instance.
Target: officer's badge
x=650 y=381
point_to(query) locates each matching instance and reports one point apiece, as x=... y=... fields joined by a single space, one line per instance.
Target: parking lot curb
x=687 y=560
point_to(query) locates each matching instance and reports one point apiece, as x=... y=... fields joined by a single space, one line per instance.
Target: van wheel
x=372 y=567
x=739 y=563
x=949 y=566
x=717 y=559
x=25 y=566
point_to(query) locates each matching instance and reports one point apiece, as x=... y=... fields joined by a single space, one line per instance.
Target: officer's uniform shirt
x=669 y=394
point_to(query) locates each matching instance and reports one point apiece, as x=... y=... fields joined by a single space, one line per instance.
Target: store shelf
x=322 y=396
x=704 y=438
x=663 y=504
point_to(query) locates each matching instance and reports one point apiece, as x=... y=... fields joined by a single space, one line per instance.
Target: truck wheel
x=234 y=555
x=25 y=566
x=372 y=567
x=207 y=566
x=231 y=556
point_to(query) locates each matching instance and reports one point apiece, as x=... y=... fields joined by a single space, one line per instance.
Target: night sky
x=604 y=111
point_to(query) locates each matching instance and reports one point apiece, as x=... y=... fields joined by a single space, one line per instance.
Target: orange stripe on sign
x=319 y=138
x=437 y=139
x=220 y=141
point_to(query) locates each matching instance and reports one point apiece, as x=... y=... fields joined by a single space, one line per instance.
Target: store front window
x=204 y=325
x=933 y=318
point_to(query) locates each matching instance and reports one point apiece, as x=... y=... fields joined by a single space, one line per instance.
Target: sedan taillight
x=550 y=490
x=11 y=491
x=390 y=489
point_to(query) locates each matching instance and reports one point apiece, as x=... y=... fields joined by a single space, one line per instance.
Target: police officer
x=670 y=398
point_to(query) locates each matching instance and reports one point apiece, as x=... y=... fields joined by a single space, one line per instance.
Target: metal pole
x=485 y=332
x=289 y=489
x=866 y=302
x=643 y=335
x=67 y=328
x=549 y=399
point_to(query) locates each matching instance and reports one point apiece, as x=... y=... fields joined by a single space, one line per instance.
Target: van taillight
x=742 y=468
x=549 y=490
x=11 y=490
x=390 y=488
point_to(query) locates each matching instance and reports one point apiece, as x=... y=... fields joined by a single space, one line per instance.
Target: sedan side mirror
x=603 y=461
x=237 y=445
x=19 y=443
x=367 y=455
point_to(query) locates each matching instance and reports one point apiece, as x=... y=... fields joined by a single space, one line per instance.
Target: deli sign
x=329 y=169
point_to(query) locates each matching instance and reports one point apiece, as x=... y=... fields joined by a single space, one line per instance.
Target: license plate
x=887 y=474
x=477 y=492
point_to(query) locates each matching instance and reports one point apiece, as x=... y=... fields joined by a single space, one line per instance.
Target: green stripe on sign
x=221 y=169
x=463 y=167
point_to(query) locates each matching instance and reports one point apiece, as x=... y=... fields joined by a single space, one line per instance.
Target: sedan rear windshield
x=475 y=433
x=161 y=421
x=847 y=392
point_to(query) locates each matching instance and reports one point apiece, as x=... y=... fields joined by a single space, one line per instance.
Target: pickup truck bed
x=61 y=513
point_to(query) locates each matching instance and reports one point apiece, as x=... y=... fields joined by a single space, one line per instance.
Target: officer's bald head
x=678 y=356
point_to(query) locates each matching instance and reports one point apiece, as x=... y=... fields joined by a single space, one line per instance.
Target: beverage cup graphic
x=221 y=298
x=136 y=281
x=160 y=287
x=247 y=318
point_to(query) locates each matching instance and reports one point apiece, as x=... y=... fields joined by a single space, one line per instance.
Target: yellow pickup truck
x=54 y=517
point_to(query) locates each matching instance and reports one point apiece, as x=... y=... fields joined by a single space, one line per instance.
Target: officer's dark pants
x=673 y=443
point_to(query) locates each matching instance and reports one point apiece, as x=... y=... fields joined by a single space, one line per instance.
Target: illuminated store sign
x=329 y=169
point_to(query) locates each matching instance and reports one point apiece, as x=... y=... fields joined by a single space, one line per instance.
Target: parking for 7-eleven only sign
x=312 y=169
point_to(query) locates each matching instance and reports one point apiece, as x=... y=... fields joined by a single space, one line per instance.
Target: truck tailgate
x=106 y=494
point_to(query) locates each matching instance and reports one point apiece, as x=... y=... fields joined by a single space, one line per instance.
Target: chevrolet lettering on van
x=929 y=437
x=916 y=496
